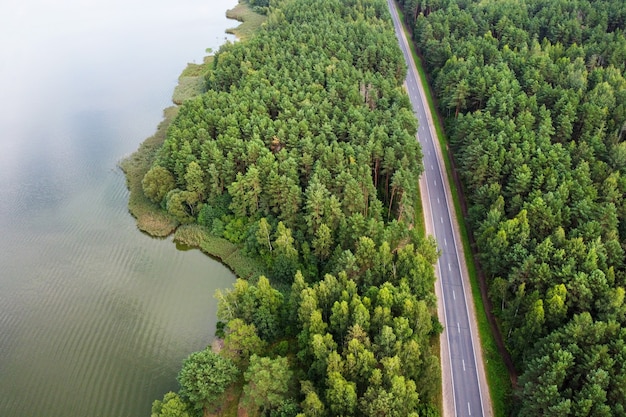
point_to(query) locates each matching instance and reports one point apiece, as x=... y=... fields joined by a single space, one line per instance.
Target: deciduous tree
x=204 y=377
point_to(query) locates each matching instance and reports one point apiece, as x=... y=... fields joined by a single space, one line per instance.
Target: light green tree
x=323 y=242
x=341 y=395
x=171 y=406
x=267 y=382
x=194 y=178
x=312 y=405
x=241 y=342
x=157 y=182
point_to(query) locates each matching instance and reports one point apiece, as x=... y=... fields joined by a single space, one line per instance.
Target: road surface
x=465 y=390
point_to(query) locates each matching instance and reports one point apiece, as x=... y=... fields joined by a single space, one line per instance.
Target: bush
x=235 y=230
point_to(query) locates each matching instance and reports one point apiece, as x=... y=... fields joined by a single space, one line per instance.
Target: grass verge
x=250 y=20
x=418 y=222
x=497 y=374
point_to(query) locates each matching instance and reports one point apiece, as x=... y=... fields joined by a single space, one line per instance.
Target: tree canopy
x=302 y=152
x=204 y=377
x=535 y=98
x=357 y=349
x=171 y=406
x=303 y=142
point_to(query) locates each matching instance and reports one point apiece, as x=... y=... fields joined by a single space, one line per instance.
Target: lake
x=95 y=317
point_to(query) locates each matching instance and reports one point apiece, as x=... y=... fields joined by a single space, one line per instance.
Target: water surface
x=95 y=317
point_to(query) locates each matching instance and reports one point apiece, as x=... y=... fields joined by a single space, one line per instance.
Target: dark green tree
x=204 y=377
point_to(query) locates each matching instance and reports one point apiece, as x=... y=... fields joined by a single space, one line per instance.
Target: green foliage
x=210 y=213
x=181 y=205
x=347 y=332
x=171 y=406
x=341 y=395
x=235 y=230
x=260 y=3
x=577 y=371
x=530 y=93
x=267 y=382
x=260 y=305
x=157 y=182
x=306 y=123
x=302 y=151
x=205 y=375
x=241 y=341
x=287 y=408
x=194 y=179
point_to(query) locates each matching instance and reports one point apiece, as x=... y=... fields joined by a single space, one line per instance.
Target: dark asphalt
x=465 y=384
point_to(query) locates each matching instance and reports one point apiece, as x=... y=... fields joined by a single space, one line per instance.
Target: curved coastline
x=152 y=219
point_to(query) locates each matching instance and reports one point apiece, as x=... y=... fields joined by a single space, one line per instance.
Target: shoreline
x=151 y=218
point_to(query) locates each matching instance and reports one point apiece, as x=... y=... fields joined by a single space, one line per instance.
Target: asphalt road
x=468 y=398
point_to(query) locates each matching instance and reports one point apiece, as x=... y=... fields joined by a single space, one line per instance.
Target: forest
x=534 y=100
x=302 y=152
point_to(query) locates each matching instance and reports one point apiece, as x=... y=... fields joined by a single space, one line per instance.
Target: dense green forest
x=302 y=151
x=535 y=100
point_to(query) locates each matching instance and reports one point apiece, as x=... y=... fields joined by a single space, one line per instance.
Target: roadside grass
x=435 y=349
x=418 y=222
x=250 y=20
x=420 y=226
x=497 y=374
